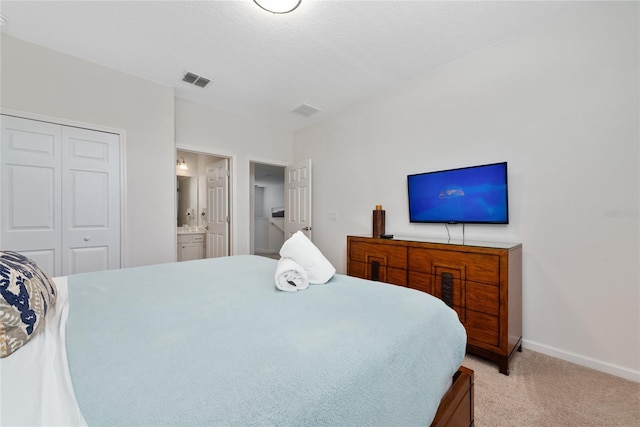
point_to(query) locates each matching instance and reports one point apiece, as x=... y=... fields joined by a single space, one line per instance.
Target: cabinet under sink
x=191 y=245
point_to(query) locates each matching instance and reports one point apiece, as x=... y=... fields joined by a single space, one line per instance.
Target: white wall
x=560 y=104
x=213 y=131
x=41 y=81
x=273 y=197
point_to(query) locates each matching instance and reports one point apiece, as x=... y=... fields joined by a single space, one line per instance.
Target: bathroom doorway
x=203 y=213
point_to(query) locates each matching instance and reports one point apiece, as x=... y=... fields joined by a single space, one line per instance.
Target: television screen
x=476 y=194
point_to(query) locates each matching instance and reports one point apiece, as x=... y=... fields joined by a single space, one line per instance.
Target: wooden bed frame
x=456 y=406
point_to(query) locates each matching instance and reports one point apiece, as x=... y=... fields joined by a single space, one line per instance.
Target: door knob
x=306 y=229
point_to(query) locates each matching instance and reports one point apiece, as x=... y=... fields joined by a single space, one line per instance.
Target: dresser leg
x=503 y=365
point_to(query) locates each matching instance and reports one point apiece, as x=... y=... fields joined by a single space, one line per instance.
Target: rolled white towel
x=290 y=276
x=299 y=248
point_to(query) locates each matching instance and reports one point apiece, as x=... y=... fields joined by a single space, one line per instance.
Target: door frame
x=123 y=162
x=231 y=190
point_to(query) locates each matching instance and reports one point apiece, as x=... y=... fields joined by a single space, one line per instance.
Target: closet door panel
x=46 y=259
x=30 y=198
x=91 y=225
x=89 y=201
x=31 y=213
x=30 y=142
x=87 y=259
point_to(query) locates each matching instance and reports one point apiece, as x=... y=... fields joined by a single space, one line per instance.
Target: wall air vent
x=305 y=110
x=195 y=79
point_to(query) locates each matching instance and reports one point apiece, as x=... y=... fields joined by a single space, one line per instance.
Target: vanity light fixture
x=278 y=6
x=181 y=164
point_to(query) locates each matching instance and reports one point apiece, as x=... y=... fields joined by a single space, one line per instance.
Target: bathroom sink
x=190 y=230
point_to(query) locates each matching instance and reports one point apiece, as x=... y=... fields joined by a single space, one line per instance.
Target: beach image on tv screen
x=477 y=194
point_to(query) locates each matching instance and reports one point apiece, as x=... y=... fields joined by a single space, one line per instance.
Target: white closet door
x=31 y=214
x=91 y=201
x=60 y=195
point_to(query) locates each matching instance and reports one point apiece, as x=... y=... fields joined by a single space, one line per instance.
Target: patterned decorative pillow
x=26 y=295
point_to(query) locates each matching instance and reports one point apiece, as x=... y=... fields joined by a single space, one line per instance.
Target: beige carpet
x=543 y=391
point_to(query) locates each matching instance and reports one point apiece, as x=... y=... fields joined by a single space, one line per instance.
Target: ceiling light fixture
x=278 y=6
x=181 y=164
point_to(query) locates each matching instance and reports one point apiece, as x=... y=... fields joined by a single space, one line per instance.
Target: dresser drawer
x=477 y=267
x=380 y=273
x=482 y=297
x=383 y=254
x=482 y=329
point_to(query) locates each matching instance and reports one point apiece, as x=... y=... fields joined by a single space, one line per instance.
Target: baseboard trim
x=598 y=365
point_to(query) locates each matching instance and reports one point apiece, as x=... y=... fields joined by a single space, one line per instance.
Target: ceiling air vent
x=305 y=110
x=195 y=79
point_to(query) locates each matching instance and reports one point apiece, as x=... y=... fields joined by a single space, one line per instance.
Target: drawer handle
x=86 y=238
x=375 y=271
x=446 y=286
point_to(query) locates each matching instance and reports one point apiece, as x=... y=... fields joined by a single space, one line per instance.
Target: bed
x=213 y=342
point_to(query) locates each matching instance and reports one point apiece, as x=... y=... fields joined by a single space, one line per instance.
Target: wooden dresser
x=482 y=282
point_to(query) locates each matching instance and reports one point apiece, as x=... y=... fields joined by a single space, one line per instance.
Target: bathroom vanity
x=191 y=243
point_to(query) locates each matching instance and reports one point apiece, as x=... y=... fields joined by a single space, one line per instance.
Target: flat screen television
x=469 y=195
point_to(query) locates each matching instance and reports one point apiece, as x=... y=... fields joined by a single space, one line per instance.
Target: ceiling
x=268 y=174
x=327 y=54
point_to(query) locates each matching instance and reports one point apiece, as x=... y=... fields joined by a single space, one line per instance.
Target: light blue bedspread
x=213 y=342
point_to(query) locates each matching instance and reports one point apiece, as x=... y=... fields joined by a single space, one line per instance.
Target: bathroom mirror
x=187 y=200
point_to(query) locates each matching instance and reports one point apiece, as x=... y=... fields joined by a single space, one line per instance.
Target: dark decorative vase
x=378 y=221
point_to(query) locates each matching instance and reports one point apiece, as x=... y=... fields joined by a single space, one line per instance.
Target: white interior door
x=60 y=195
x=91 y=199
x=31 y=212
x=297 y=198
x=218 y=209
